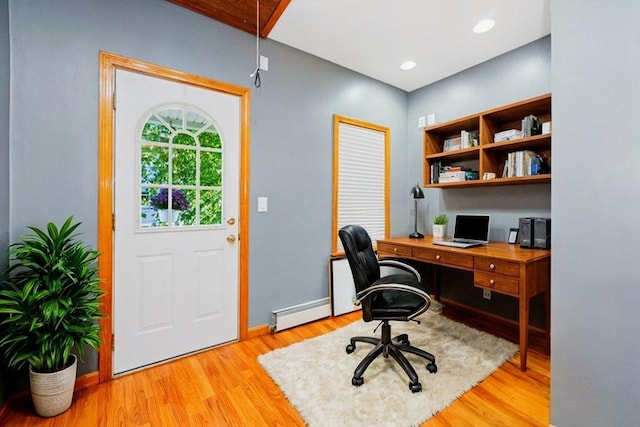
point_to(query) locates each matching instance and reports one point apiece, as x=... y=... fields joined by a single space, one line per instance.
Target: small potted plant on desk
x=49 y=306
x=440 y=225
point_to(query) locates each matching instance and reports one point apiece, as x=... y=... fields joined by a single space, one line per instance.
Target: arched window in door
x=180 y=159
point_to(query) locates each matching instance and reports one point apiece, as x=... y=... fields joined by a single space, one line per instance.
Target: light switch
x=262 y=204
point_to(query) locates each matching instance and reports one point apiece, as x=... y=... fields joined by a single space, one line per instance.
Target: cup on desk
x=488 y=175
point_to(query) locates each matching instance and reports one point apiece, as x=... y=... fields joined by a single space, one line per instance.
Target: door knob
x=231 y=238
x=231 y=221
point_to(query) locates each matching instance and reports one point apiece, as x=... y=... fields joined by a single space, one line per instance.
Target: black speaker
x=526 y=232
x=542 y=233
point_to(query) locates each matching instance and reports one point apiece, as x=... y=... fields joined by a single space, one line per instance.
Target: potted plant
x=49 y=306
x=161 y=203
x=440 y=225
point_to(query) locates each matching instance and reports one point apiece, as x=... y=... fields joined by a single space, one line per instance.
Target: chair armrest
x=400 y=265
x=414 y=288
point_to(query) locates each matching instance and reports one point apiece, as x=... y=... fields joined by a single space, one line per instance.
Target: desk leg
x=524 y=330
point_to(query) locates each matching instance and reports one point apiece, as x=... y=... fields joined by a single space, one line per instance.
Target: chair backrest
x=362 y=259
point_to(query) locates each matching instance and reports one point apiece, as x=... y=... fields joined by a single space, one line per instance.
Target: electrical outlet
x=486 y=294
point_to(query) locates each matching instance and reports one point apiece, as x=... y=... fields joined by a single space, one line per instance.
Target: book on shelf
x=531 y=126
x=435 y=169
x=454 y=169
x=468 y=139
x=457 y=173
x=507 y=135
x=452 y=144
x=465 y=140
x=452 y=176
x=522 y=163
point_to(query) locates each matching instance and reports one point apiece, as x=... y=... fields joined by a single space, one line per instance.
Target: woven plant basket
x=52 y=392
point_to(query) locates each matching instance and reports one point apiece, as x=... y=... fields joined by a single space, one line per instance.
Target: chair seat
x=395 y=305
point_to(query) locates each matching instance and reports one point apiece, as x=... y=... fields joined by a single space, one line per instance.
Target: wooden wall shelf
x=488 y=156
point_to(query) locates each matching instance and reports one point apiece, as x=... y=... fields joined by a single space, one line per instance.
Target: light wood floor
x=227 y=387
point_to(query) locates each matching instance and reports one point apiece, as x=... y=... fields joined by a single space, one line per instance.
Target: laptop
x=469 y=231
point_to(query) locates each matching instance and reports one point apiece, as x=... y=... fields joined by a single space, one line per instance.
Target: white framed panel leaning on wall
x=360 y=178
x=360 y=196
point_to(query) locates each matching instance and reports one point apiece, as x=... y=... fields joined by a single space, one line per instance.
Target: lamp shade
x=417 y=192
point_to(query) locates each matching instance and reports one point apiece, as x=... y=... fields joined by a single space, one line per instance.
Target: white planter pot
x=163 y=215
x=439 y=230
x=52 y=393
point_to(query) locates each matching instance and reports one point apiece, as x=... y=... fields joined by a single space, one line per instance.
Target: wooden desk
x=498 y=266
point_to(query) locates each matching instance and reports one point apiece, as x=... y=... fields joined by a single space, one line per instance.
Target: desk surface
x=501 y=250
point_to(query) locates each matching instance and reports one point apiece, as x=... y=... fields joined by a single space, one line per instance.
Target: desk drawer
x=387 y=249
x=496 y=282
x=499 y=266
x=444 y=257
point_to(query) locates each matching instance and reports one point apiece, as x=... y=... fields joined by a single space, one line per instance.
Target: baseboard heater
x=295 y=315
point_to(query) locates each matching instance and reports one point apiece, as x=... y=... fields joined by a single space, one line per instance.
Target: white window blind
x=361 y=191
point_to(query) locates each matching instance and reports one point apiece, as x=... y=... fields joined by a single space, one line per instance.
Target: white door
x=176 y=219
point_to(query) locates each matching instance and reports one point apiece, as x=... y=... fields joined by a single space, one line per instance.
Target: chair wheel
x=406 y=342
x=432 y=368
x=358 y=381
x=415 y=387
x=350 y=348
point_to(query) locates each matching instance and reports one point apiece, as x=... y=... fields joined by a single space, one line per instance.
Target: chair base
x=393 y=347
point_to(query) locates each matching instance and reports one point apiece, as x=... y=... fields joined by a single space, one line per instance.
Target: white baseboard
x=289 y=317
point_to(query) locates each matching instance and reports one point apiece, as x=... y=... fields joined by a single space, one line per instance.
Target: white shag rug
x=315 y=375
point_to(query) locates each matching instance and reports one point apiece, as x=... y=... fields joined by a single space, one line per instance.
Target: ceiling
x=373 y=37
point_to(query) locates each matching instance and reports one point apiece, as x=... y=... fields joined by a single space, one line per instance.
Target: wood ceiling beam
x=240 y=14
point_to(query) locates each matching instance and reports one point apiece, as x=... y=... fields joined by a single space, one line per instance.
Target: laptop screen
x=475 y=227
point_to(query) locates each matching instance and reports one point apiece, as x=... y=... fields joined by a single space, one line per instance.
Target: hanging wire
x=256 y=74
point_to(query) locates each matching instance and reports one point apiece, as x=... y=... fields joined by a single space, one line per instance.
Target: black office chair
x=393 y=297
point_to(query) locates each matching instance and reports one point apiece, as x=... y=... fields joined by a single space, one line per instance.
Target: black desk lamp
x=417 y=193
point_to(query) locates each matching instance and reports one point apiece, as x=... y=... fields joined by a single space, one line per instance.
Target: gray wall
x=514 y=76
x=54 y=126
x=595 y=351
x=4 y=148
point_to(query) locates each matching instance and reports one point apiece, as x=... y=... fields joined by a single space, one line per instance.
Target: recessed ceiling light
x=407 y=65
x=484 y=26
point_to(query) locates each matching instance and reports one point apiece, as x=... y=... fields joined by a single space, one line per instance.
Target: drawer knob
x=438 y=257
x=492 y=266
x=395 y=249
x=493 y=282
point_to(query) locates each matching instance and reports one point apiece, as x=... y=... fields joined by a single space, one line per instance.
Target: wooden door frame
x=109 y=63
